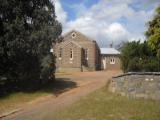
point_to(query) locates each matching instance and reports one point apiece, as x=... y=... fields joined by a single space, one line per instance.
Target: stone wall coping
x=136 y=73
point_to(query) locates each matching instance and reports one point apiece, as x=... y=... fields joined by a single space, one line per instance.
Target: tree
x=153 y=32
x=129 y=51
x=136 y=56
x=28 y=30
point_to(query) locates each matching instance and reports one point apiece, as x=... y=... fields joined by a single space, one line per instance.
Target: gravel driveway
x=86 y=82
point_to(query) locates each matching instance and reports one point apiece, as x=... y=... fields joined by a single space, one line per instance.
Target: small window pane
x=112 y=61
x=60 y=52
x=86 y=54
x=71 y=53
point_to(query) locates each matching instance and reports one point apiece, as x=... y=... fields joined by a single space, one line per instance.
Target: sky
x=106 y=21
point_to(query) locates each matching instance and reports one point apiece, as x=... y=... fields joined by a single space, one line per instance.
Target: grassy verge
x=103 y=105
x=16 y=99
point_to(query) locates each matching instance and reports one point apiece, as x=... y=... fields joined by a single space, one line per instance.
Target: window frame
x=73 y=35
x=71 y=53
x=86 y=54
x=112 y=61
x=60 y=54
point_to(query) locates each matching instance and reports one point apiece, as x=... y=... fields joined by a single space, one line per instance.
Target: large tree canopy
x=137 y=56
x=28 y=30
x=153 y=32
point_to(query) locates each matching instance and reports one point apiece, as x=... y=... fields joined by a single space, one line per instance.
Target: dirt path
x=86 y=82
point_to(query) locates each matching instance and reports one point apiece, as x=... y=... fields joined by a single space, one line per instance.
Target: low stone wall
x=137 y=85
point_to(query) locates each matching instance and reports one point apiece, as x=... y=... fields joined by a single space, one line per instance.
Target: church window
x=86 y=54
x=112 y=61
x=60 y=53
x=71 y=54
x=73 y=35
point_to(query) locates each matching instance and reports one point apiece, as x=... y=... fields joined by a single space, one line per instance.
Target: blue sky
x=106 y=21
x=70 y=6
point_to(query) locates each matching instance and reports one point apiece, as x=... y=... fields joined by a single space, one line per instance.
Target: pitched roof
x=109 y=51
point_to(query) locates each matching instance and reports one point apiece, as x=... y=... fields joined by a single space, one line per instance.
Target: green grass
x=16 y=99
x=103 y=105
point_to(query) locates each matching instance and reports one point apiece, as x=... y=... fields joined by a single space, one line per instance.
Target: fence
x=137 y=85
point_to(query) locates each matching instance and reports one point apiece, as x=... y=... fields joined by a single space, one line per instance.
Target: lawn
x=103 y=105
x=15 y=100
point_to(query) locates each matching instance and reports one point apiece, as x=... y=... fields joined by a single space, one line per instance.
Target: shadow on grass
x=59 y=86
x=56 y=87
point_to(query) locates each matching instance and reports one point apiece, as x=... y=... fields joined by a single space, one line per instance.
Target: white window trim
x=71 y=50
x=73 y=35
x=112 y=61
x=86 y=54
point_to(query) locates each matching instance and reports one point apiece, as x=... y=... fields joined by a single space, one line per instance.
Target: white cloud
x=116 y=31
x=103 y=21
x=61 y=14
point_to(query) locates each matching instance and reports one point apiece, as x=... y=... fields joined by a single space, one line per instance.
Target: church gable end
x=76 y=52
x=76 y=36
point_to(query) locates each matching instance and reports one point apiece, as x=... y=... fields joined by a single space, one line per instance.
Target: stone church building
x=77 y=52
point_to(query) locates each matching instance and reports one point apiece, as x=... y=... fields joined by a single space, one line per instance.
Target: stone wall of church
x=65 y=61
x=79 y=43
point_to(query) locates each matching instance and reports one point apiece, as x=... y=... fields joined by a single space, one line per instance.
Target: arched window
x=112 y=61
x=71 y=54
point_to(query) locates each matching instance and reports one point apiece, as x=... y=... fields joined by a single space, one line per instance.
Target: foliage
x=48 y=66
x=153 y=33
x=136 y=56
x=28 y=29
